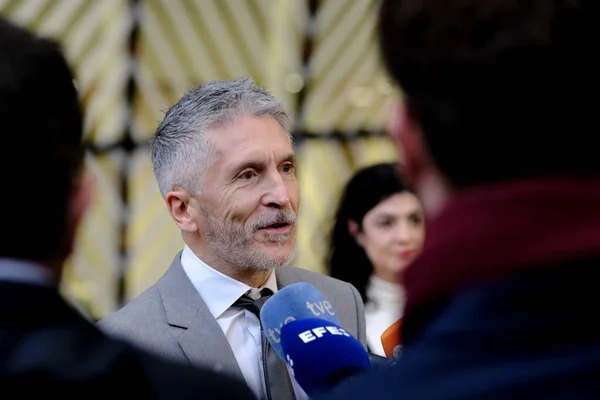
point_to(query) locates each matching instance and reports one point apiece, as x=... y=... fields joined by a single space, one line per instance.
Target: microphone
x=321 y=354
x=391 y=341
x=294 y=302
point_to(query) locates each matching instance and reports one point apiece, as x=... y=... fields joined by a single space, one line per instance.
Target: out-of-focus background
x=135 y=58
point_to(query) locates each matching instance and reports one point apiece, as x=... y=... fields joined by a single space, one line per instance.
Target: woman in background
x=379 y=228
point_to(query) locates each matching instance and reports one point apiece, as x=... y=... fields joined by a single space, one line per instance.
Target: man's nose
x=277 y=195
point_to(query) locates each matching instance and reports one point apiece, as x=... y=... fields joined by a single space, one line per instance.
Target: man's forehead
x=248 y=157
x=252 y=133
x=246 y=127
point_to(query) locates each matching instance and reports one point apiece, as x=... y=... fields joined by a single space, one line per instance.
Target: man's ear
x=82 y=198
x=408 y=137
x=418 y=165
x=178 y=203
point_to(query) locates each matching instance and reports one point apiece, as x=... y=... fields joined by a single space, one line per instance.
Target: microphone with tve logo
x=321 y=354
x=391 y=341
x=294 y=302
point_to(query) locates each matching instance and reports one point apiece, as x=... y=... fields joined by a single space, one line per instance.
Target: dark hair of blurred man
x=45 y=346
x=497 y=129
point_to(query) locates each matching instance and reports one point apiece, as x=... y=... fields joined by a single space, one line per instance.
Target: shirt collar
x=218 y=290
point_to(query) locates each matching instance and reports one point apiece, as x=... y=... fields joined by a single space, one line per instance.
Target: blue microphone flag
x=294 y=302
x=321 y=354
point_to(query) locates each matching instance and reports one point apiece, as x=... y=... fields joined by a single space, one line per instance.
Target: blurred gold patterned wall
x=135 y=58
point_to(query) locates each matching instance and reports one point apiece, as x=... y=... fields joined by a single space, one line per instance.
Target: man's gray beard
x=233 y=242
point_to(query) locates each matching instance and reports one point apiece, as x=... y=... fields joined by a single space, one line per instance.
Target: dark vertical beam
x=308 y=46
x=128 y=145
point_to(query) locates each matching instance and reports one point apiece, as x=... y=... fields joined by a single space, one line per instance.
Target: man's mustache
x=279 y=217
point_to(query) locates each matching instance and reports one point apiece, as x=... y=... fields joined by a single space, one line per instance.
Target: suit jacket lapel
x=202 y=340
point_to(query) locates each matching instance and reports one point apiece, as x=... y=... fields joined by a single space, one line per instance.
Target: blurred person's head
x=224 y=163
x=379 y=227
x=44 y=194
x=494 y=90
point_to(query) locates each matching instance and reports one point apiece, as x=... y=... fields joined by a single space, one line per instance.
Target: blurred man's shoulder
x=169 y=379
x=70 y=357
x=143 y=372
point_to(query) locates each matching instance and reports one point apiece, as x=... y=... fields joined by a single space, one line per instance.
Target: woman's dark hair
x=367 y=188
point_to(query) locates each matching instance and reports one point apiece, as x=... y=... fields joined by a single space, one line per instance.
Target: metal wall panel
x=135 y=58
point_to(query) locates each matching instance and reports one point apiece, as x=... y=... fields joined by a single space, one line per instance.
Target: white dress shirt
x=241 y=327
x=385 y=305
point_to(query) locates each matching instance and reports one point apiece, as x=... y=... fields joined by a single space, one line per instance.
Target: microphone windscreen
x=296 y=301
x=322 y=354
x=390 y=339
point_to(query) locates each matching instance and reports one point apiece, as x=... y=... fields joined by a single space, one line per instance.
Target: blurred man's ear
x=82 y=196
x=81 y=200
x=409 y=140
x=418 y=166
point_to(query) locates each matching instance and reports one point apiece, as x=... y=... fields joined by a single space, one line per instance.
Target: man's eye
x=246 y=175
x=287 y=168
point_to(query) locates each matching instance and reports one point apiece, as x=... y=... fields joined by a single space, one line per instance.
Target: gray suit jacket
x=172 y=320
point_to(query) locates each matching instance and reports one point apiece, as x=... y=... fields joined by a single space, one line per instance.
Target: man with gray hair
x=225 y=165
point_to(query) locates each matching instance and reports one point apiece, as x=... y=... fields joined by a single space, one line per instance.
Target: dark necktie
x=278 y=383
